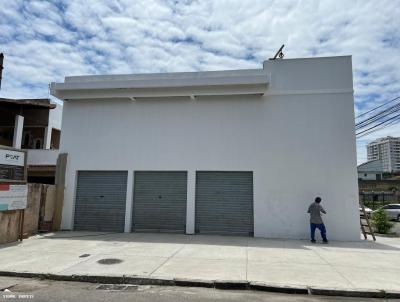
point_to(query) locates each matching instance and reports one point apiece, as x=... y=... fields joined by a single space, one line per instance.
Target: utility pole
x=1 y=67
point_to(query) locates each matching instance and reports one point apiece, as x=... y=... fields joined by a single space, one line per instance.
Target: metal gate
x=160 y=201
x=100 y=201
x=224 y=203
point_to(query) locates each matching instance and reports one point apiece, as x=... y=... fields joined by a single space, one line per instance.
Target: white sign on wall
x=12 y=166
x=13 y=197
x=12 y=158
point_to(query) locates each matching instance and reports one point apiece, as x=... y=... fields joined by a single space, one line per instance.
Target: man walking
x=316 y=222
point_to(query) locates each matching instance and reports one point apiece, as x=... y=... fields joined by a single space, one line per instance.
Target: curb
x=226 y=284
x=286 y=289
x=137 y=280
x=194 y=283
x=218 y=284
x=392 y=295
x=359 y=293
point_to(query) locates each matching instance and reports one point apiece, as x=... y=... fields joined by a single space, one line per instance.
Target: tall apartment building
x=386 y=149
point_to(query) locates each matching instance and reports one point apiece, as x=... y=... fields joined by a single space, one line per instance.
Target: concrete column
x=47 y=138
x=18 y=128
x=61 y=168
x=129 y=202
x=190 y=205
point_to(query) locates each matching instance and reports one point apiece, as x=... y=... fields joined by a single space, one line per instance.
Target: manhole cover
x=109 y=261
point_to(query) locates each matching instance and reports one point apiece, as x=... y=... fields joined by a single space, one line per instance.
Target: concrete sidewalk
x=345 y=265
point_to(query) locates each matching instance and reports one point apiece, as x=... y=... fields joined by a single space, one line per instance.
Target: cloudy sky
x=45 y=40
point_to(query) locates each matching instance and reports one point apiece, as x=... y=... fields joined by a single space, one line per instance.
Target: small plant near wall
x=381 y=222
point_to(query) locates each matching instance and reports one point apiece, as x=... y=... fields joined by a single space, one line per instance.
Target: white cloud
x=44 y=41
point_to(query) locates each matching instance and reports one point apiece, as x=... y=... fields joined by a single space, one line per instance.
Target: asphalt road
x=44 y=290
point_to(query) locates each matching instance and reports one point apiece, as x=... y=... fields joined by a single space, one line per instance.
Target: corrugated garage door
x=224 y=203
x=159 y=201
x=100 y=201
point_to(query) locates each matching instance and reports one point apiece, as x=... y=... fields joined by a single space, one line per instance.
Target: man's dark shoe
x=313 y=241
x=325 y=241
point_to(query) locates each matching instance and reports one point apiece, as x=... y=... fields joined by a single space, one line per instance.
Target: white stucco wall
x=47 y=157
x=55 y=116
x=298 y=139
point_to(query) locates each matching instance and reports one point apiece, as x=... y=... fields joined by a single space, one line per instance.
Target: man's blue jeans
x=321 y=228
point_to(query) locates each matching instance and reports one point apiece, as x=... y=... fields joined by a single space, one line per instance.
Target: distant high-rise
x=386 y=149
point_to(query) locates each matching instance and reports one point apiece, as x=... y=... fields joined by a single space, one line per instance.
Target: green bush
x=381 y=222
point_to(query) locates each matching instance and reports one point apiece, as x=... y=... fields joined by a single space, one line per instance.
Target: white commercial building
x=387 y=149
x=226 y=152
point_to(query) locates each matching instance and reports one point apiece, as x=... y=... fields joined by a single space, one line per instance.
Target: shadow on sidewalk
x=165 y=238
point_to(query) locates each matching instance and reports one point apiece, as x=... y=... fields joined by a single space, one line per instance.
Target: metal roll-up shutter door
x=100 y=201
x=224 y=203
x=160 y=201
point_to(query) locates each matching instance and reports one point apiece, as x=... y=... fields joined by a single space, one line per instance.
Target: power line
x=373 y=109
x=1 y=67
x=393 y=122
x=381 y=112
x=378 y=116
x=373 y=127
x=382 y=119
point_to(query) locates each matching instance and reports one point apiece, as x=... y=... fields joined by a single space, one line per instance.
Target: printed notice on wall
x=12 y=158
x=12 y=165
x=13 y=197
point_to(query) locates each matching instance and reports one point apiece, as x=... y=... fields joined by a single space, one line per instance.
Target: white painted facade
x=43 y=157
x=291 y=123
x=55 y=116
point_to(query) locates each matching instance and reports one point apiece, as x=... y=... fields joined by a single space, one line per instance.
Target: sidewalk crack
x=333 y=267
x=76 y=264
x=166 y=260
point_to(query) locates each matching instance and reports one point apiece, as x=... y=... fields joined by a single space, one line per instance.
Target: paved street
x=344 y=265
x=50 y=291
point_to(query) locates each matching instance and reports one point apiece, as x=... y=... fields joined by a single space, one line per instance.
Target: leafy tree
x=381 y=222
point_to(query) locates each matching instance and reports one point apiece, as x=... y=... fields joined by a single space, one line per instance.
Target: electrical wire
x=373 y=127
x=383 y=119
x=384 y=113
x=394 y=122
x=373 y=109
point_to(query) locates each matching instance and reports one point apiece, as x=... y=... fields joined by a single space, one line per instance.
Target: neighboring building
x=35 y=125
x=386 y=149
x=222 y=152
x=370 y=170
